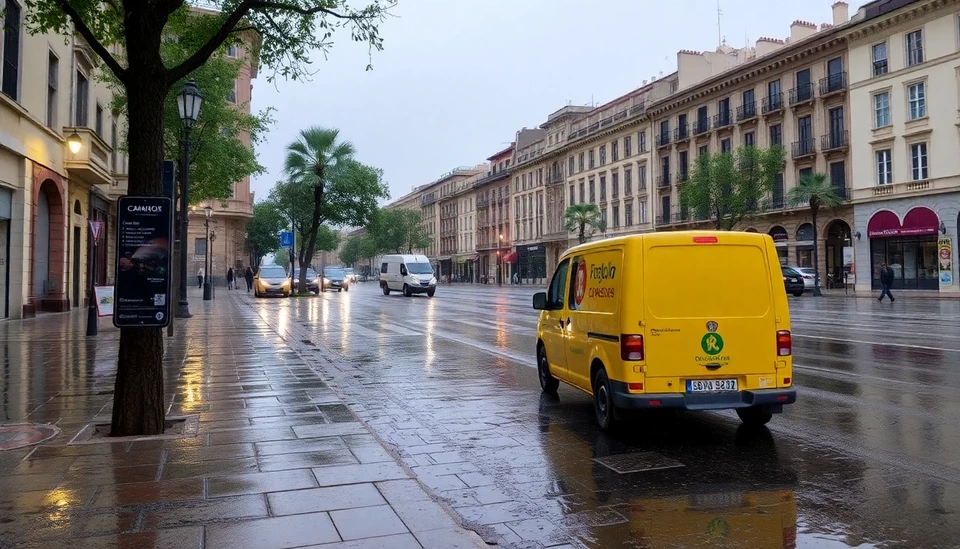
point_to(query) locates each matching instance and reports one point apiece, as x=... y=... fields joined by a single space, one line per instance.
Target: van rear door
x=711 y=312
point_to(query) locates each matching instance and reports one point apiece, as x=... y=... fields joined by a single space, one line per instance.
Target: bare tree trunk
x=816 y=256
x=314 y=229
x=138 y=402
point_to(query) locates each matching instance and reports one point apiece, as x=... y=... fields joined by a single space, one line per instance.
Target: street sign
x=95 y=228
x=143 y=271
x=286 y=239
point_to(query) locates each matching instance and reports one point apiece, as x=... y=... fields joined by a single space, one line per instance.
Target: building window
x=916 y=101
x=98 y=121
x=643 y=211
x=778 y=191
x=113 y=146
x=570 y=165
x=11 y=49
x=626 y=147
x=603 y=155
x=615 y=150
x=749 y=139
x=628 y=213
x=615 y=185
x=918 y=161
x=53 y=82
x=603 y=188
x=776 y=135
x=881 y=109
x=232 y=94
x=914 y=45
x=200 y=246
x=581 y=162
x=880 y=59
x=704 y=149
x=616 y=216
x=627 y=182
x=232 y=51
x=591 y=162
x=683 y=162
x=838 y=178
x=82 y=101
x=573 y=196
x=642 y=142
x=593 y=192
x=581 y=192
x=642 y=178
x=725 y=146
x=884 y=167
x=603 y=216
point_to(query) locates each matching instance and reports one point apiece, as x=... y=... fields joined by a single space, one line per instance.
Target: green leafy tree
x=292 y=201
x=289 y=30
x=584 y=219
x=263 y=231
x=729 y=187
x=398 y=230
x=352 y=251
x=328 y=239
x=815 y=191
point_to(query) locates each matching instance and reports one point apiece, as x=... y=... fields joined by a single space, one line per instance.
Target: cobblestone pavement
x=866 y=458
x=278 y=461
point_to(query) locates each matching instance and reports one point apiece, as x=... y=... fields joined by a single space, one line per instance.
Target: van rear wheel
x=603 y=401
x=548 y=383
x=754 y=416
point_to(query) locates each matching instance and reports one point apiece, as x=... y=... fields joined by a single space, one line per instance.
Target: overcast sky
x=458 y=78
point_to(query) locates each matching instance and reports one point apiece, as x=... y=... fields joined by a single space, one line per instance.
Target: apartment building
x=790 y=93
x=230 y=216
x=528 y=260
x=465 y=268
x=904 y=92
x=439 y=208
x=492 y=195
x=52 y=98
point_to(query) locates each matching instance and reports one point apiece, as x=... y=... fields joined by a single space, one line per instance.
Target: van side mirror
x=540 y=301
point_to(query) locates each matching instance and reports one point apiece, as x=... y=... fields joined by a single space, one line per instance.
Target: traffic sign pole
x=93 y=321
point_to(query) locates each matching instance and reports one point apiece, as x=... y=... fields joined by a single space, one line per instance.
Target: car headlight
x=326 y=281
x=433 y=280
x=286 y=283
x=415 y=279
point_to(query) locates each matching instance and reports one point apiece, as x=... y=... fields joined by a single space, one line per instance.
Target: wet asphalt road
x=869 y=456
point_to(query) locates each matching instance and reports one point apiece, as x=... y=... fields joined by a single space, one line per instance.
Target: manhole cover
x=637 y=462
x=20 y=435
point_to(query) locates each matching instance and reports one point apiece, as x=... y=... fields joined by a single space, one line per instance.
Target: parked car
x=271 y=280
x=793 y=281
x=334 y=278
x=809 y=276
x=351 y=275
x=313 y=280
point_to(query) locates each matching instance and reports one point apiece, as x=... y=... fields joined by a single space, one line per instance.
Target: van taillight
x=631 y=347
x=784 y=343
x=705 y=240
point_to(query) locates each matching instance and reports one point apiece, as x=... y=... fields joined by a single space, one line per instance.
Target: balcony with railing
x=803 y=148
x=801 y=95
x=483 y=202
x=834 y=83
x=701 y=126
x=628 y=108
x=773 y=103
x=681 y=133
x=662 y=139
x=835 y=141
x=90 y=164
x=428 y=199
x=682 y=177
x=721 y=119
x=747 y=111
x=556 y=177
x=843 y=192
x=663 y=181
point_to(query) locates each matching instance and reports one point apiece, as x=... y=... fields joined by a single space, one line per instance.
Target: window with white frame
x=916 y=100
x=881 y=109
x=918 y=161
x=880 y=59
x=884 y=167
x=914 y=47
x=642 y=210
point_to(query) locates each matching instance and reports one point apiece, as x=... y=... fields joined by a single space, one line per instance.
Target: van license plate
x=711 y=385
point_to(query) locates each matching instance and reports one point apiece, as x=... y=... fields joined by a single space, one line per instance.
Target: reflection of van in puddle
x=694 y=319
x=725 y=493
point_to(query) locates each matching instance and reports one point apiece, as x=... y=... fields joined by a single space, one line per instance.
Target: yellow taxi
x=695 y=320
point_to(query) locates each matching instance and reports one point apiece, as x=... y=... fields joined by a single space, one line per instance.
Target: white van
x=410 y=274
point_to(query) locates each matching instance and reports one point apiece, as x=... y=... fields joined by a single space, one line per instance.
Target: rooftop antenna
x=719 y=36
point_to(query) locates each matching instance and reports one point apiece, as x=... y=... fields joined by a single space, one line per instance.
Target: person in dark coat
x=249 y=277
x=886 y=280
x=230 y=278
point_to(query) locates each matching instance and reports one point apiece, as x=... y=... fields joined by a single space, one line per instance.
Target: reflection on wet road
x=867 y=457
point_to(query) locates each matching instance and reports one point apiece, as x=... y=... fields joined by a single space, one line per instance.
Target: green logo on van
x=712 y=344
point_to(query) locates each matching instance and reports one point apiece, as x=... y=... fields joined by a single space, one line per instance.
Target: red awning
x=475 y=258
x=918 y=221
x=510 y=258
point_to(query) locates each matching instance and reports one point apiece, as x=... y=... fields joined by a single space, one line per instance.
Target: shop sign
x=945 y=256
x=779 y=234
x=902 y=231
x=143 y=278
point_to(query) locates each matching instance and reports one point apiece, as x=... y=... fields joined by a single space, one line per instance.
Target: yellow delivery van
x=695 y=320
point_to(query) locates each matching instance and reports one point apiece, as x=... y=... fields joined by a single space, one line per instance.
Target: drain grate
x=637 y=462
x=20 y=435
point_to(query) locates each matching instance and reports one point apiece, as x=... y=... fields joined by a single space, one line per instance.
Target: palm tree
x=815 y=191
x=581 y=216
x=313 y=160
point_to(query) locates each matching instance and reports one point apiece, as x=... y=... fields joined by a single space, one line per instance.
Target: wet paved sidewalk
x=279 y=461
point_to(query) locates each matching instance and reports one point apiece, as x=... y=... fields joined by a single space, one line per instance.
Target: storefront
x=532 y=263
x=910 y=246
x=6 y=209
x=780 y=239
x=805 y=244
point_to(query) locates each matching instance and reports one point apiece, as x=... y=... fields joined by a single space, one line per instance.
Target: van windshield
x=698 y=281
x=420 y=268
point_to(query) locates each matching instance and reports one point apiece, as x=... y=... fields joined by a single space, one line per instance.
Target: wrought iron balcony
x=835 y=141
x=747 y=111
x=663 y=181
x=801 y=94
x=662 y=139
x=681 y=133
x=721 y=119
x=833 y=83
x=773 y=103
x=845 y=193
x=701 y=126
x=804 y=147
x=683 y=177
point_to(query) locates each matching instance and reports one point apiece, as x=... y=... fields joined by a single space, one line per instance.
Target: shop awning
x=510 y=258
x=462 y=260
x=918 y=222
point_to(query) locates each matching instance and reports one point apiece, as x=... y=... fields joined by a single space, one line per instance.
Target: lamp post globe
x=188 y=107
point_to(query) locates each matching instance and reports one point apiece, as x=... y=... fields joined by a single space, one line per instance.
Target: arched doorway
x=48 y=243
x=805 y=245
x=75 y=265
x=839 y=248
x=41 y=249
x=780 y=239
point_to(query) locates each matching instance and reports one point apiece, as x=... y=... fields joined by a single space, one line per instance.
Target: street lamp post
x=207 y=295
x=188 y=106
x=500 y=262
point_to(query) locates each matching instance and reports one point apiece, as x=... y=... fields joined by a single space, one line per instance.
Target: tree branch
x=95 y=44
x=200 y=56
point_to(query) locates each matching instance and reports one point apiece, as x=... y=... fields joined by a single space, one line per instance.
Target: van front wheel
x=548 y=383
x=406 y=291
x=603 y=401
x=754 y=415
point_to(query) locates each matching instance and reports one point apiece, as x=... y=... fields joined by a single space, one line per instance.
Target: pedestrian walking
x=200 y=274
x=230 y=278
x=249 y=278
x=886 y=280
